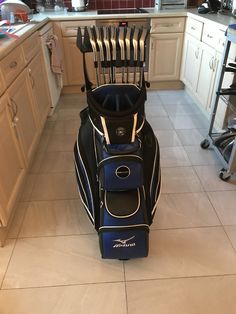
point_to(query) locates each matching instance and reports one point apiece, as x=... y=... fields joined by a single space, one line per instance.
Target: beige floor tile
x=85 y=299
x=72 y=101
x=214 y=295
x=191 y=136
x=154 y=110
x=184 y=253
x=17 y=220
x=153 y=98
x=160 y=123
x=209 y=176
x=231 y=232
x=199 y=156
x=37 y=161
x=55 y=186
x=57 y=162
x=180 y=180
x=44 y=139
x=173 y=156
x=189 y=121
x=181 y=109
x=67 y=126
x=61 y=142
x=28 y=187
x=176 y=97
x=68 y=114
x=5 y=255
x=184 y=211
x=167 y=138
x=53 y=261
x=224 y=203
x=51 y=218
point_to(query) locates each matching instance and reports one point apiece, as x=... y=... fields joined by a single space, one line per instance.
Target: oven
x=128 y=22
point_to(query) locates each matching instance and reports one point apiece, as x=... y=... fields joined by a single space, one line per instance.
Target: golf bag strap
x=119 y=132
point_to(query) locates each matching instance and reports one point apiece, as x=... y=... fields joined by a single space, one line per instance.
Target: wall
x=115 y=4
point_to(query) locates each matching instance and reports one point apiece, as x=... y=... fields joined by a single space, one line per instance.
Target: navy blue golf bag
x=117 y=166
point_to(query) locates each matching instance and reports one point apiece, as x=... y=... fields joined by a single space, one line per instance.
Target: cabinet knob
x=13 y=65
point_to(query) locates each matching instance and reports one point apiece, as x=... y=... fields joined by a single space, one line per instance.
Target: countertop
x=39 y=20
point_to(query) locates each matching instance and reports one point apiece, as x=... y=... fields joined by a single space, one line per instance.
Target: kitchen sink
x=11 y=29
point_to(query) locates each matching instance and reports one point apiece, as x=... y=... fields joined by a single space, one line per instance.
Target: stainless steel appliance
x=172 y=4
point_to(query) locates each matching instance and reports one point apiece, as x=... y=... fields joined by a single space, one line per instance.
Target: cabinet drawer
x=168 y=25
x=69 y=29
x=194 y=28
x=12 y=65
x=31 y=47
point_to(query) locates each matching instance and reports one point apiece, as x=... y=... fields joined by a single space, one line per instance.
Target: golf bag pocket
x=123 y=231
x=123 y=243
x=117 y=173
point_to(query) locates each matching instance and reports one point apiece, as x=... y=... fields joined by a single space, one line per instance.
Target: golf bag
x=117 y=163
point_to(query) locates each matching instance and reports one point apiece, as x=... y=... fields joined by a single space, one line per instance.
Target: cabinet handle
x=210 y=63
x=209 y=36
x=13 y=65
x=31 y=78
x=193 y=28
x=215 y=64
x=14 y=109
x=197 y=53
x=167 y=25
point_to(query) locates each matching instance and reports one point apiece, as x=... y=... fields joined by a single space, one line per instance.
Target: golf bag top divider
x=116 y=153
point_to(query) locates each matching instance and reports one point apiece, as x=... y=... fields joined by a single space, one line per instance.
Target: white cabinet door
x=12 y=168
x=165 y=56
x=191 y=62
x=206 y=78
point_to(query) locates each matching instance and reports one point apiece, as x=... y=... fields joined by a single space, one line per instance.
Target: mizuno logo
x=123 y=243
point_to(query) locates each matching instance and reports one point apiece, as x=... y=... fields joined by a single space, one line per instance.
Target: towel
x=56 y=57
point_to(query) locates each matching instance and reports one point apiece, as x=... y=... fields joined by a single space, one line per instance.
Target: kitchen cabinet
x=12 y=168
x=191 y=61
x=166 y=40
x=73 y=58
x=37 y=77
x=40 y=92
x=24 y=106
x=21 y=102
x=202 y=53
x=206 y=76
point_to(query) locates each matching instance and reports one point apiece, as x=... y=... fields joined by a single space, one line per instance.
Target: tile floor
x=51 y=261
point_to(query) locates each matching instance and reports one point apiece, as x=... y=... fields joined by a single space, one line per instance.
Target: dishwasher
x=54 y=88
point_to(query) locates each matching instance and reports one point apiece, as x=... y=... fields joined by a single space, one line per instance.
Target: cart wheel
x=224 y=175
x=205 y=144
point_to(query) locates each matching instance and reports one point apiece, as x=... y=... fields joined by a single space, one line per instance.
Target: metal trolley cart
x=224 y=142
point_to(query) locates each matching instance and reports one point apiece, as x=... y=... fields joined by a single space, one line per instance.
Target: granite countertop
x=39 y=20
